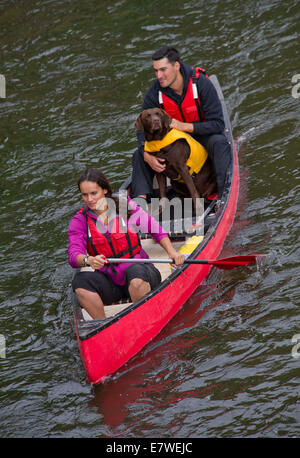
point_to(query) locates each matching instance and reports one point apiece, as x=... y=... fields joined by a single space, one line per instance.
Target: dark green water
x=76 y=72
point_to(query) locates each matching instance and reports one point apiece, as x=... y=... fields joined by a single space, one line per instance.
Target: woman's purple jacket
x=78 y=239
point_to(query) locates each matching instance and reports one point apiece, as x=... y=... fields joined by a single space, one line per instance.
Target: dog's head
x=154 y=123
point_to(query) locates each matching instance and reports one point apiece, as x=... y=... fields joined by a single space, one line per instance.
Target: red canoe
x=107 y=344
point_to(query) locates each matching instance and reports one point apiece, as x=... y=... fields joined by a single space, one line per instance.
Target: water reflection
x=162 y=368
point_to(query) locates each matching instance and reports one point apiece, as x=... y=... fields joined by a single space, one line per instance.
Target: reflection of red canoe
x=106 y=345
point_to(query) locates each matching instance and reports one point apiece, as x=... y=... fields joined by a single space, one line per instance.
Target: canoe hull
x=106 y=351
x=108 y=346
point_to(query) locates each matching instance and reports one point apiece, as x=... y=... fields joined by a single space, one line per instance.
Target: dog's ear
x=138 y=123
x=166 y=119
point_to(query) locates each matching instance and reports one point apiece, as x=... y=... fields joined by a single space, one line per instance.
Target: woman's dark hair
x=166 y=51
x=96 y=176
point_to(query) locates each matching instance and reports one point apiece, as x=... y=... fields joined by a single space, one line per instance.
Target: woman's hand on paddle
x=97 y=262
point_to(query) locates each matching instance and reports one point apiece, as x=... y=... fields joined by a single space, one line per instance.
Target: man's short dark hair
x=166 y=51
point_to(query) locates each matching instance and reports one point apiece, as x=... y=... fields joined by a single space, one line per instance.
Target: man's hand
x=158 y=165
x=182 y=126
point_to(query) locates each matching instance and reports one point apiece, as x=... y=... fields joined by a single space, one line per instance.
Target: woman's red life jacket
x=190 y=109
x=119 y=242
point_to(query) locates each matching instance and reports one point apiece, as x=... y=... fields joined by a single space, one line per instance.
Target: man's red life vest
x=190 y=109
x=120 y=242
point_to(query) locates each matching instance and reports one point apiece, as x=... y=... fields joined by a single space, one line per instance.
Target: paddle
x=226 y=263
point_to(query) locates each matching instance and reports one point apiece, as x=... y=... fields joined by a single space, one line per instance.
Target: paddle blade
x=236 y=261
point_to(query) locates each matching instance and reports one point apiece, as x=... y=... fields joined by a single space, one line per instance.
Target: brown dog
x=155 y=124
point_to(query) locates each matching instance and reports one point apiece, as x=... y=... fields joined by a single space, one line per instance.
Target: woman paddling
x=95 y=233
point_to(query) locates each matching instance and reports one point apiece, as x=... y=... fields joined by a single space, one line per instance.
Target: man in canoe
x=198 y=113
x=98 y=232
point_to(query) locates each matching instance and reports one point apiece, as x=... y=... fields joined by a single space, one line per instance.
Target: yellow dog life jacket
x=198 y=153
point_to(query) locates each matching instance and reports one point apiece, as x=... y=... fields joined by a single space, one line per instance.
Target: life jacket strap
x=196 y=95
x=89 y=236
x=160 y=100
